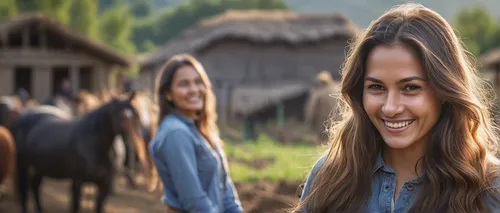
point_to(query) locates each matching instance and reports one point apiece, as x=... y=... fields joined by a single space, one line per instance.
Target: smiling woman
x=416 y=135
x=187 y=149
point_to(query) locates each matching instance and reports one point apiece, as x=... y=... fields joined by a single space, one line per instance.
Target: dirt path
x=56 y=198
x=260 y=197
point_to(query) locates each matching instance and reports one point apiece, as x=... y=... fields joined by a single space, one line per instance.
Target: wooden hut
x=37 y=53
x=258 y=50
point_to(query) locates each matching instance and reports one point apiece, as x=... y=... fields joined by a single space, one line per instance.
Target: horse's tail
x=154 y=181
x=7 y=153
x=20 y=173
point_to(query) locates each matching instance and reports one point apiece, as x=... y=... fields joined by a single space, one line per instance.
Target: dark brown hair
x=459 y=166
x=206 y=123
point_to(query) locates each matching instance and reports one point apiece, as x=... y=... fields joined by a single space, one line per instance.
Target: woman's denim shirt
x=382 y=192
x=192 y=173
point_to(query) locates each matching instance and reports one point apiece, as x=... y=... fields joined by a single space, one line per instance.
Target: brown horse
x=148 y=113
x=7 y=154
x=86 y=101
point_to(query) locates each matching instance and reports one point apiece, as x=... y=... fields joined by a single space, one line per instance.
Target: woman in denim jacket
x=416 y=134
x=187 y=149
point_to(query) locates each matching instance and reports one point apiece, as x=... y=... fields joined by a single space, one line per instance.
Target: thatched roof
x=96 y=48
x=257 y=27
x=490 y=59
x=247 y=99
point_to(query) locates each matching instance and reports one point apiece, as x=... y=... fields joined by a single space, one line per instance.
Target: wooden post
x=280 y=114
x=249 y=129
x=75 y=78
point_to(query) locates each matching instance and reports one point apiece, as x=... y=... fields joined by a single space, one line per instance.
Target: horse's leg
x=22 y=184
x=115 y=168
x=103 y=193
x=76 y=192
x=36 y=181
x=129 y=163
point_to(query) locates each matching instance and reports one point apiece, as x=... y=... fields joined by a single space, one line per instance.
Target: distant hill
x=362 y=12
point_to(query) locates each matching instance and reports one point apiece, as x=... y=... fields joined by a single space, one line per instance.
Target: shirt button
x=387 y=187
x=410 y=187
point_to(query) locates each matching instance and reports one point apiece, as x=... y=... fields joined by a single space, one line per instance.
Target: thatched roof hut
x=249 y=49
x=256 y=26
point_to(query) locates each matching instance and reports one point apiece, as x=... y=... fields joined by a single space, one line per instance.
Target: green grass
x=291 y=161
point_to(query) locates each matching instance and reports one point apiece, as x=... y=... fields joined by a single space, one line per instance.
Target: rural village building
x=37 y=53
x=261 y=63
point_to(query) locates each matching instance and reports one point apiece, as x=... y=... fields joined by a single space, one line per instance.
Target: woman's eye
x=376 y=87
x=411 y=87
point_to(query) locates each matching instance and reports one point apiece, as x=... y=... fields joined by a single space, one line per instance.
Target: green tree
x=104 y=5
x=28 y=5
x=58 y=9
x=142 y=8
x=116 y=28
x=174 y=21
x=478 y=29
x=84 y=17
x=8 y=8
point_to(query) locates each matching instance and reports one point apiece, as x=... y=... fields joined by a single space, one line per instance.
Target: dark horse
x=76 y=149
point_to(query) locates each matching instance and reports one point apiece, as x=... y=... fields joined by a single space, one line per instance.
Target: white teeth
x=398 y=124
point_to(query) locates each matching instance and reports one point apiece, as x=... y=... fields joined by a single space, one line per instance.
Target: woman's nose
x=392 y=105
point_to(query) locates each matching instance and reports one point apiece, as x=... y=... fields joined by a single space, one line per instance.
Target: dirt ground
x=260 y=197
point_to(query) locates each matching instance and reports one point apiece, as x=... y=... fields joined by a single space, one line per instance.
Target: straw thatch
x=248 y=99
x=490 y=59
x=96 y=48
x=256 y=27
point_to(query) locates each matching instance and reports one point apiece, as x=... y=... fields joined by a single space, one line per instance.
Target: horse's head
x=10 y=109
x=126 y=122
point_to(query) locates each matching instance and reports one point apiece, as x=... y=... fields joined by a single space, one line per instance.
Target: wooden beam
x=42 y=36
x=4 y=36
x=26 y=38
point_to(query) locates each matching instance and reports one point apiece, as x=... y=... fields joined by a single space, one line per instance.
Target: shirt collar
x=380 y=165
x=183 y=118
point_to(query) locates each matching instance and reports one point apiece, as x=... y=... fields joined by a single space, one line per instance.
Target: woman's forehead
x=186 y=72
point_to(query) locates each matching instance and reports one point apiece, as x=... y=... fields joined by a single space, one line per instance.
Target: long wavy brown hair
x=206 y=122
x=459 y=163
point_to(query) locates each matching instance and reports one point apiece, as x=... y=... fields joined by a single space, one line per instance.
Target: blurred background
x=273 y=63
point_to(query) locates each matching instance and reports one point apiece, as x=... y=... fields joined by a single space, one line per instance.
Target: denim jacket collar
x=181 y=117
x=380 y=165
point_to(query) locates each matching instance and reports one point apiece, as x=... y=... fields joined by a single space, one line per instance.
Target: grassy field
x=267 y=159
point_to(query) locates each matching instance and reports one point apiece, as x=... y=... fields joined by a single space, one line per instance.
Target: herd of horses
x=89 y=138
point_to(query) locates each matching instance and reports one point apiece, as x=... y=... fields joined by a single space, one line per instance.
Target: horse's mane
x=94 y=118
x=143 y=105
x=12 y=102
x=49 y=109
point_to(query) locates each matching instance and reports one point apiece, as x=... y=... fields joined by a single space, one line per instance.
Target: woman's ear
x=168 y=96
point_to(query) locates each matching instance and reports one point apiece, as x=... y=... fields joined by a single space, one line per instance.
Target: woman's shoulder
x=320 y=161
x=171 y=130
x=312 y=174
x=492 y=197
x=172 y=123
